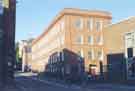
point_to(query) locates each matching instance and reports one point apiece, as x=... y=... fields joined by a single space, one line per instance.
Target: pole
x=9 y=43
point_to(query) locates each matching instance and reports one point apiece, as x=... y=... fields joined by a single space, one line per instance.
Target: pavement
x=29 y=82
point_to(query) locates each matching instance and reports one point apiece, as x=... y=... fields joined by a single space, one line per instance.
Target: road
x=29 y=83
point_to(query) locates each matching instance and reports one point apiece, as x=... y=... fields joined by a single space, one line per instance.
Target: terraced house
x=80 y=31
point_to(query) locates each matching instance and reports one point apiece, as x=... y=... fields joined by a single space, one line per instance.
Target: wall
x=72 y=32
x=52 y=41
x=114 y=35
x=48 y=42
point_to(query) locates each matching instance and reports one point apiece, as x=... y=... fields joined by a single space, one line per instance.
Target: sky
x=34 y=16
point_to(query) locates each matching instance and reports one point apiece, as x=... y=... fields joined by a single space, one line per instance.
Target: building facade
x=25 y=54
x=118 y=41
x=130 y=54
x=80 y=31
x=65 y=65
x=114 y=35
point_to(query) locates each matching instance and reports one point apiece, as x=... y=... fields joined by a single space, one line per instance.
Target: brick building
x=118 y=43
x=65 y=64
x=80 y=31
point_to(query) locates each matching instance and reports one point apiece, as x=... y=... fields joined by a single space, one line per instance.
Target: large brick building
x=80 y=31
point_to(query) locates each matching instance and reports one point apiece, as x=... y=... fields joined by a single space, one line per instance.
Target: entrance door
x=93 y=69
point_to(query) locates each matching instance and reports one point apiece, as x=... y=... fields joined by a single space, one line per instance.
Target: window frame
x=99 y=26
x=90 y=56
x=79 y=39
x=90 y=24
x=78 y=24
x=90 y=40
x=101 y=57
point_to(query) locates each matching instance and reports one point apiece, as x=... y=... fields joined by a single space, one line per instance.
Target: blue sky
x=33 y=16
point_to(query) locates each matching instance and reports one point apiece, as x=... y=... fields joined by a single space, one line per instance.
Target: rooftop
x=75 y=11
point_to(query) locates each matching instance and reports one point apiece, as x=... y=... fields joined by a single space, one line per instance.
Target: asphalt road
x=30 y=84
x=26 y=82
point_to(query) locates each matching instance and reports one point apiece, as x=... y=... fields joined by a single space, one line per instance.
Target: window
x=58 y=56
x=50 y=59
x=91 y=54
x=80 y=53
x=62 y=56
x=90 y=39
x=130 y=52
x=100 y=55
x=99 y=26
x=79 y=39
x=53 y=59
x=100 y=40
x=129 y=42
x=79 y=24
x=90 y=24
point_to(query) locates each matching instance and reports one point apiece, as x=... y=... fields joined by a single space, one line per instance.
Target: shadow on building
x=69 y=66
x=116 y=67
x=65 y=65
